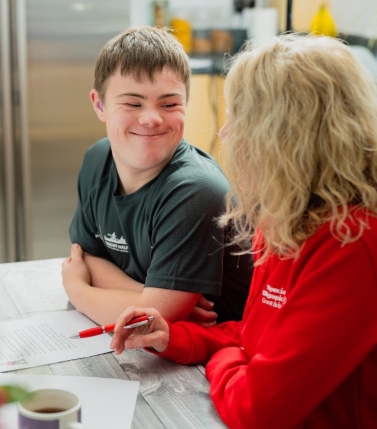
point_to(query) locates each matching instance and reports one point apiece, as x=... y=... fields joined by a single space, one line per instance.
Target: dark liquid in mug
x=49 y=410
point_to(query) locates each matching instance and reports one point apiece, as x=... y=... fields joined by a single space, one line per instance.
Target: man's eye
x=132 y=105
x=170 y=105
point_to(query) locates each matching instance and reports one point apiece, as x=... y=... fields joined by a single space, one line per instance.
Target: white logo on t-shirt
x=118 y=244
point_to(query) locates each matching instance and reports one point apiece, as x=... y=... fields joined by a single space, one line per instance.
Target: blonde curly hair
x=300 y=146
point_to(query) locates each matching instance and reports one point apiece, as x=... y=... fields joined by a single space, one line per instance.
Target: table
x=170 y=395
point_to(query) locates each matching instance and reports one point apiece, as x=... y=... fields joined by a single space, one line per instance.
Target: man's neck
x=131 y=181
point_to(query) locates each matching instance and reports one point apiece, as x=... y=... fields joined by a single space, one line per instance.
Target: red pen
x=98 y=330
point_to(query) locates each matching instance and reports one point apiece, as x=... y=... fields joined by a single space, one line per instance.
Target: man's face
x=144 y=120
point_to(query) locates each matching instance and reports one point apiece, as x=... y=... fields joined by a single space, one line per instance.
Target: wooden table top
x=170 y=395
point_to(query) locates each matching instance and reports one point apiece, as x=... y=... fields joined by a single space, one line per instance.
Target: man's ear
x=97 y=105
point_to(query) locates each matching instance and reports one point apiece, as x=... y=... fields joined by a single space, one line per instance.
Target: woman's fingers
x=154 y=335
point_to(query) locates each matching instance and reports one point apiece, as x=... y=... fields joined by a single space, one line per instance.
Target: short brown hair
x=141 y=52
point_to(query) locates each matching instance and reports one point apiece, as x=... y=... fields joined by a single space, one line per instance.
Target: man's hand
x=202 y=313
x=74 y=268
x=156 y=335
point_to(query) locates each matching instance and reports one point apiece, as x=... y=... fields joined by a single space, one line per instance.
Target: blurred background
x=48 y=50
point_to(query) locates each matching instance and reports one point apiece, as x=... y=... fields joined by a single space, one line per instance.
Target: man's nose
x=150 y=117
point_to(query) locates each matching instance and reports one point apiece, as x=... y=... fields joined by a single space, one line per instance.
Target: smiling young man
x=145 y=230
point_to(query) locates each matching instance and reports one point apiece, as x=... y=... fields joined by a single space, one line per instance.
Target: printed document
x=42 y=340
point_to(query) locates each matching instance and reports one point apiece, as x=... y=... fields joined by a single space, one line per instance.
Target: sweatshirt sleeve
x=309 y=350
x=192 y=344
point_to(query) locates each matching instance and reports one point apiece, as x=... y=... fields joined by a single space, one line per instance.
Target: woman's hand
x=155 y=335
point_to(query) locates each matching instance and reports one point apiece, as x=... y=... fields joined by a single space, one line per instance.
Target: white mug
x=50 y=409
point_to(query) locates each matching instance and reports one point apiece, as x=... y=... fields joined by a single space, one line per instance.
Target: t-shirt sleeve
x=82 y=232
x=83 y=228
x=187 y=244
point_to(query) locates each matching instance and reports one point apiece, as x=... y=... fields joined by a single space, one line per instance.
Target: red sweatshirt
x=305 y=353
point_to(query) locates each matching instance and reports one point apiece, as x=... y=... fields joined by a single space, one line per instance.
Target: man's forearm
x=101 y=305
x=105 y=304
x=106 y=275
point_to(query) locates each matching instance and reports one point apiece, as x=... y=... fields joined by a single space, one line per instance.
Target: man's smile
x=148 y=134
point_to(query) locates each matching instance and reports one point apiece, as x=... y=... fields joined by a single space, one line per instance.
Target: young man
x=148 y=201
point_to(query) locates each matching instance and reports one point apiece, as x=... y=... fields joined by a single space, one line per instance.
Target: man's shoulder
x=195 y=166
x=98 y=156
x=192 y=154
x=97 y=163
x=191 y=178
x=99 y=150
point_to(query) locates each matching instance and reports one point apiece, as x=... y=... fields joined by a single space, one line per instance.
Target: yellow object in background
x=323 y=23
x=160 y=12
x=182 y=31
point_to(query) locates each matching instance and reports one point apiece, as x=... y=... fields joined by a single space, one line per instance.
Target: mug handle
x=75 y=425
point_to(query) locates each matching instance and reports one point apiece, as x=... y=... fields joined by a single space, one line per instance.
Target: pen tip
x=74 y=337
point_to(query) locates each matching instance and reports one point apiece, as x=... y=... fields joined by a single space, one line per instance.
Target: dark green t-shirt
x=163 y=235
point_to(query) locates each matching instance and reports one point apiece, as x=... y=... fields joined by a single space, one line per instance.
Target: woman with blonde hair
x=301 y=154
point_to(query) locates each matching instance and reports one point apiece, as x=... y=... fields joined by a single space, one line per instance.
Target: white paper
x=42 y=340
x=106 y=403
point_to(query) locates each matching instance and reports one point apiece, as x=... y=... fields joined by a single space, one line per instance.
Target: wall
x=302 y=13
x=356 y=17
x=140 y=10
x=351 y=17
